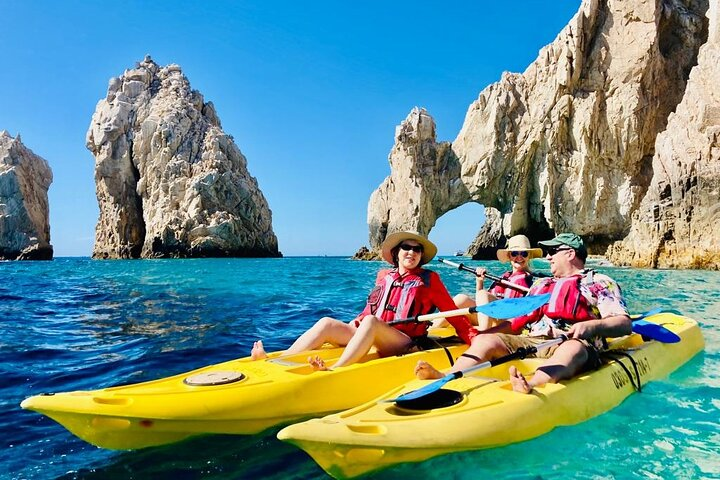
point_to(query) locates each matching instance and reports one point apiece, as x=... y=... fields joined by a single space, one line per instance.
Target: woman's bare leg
x=373 y=331
x=461 y=301
x=483 y=297
x=325 y=330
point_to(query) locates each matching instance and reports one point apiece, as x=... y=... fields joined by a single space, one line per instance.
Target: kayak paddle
x=489 y=275
x=653 y=330
x=643 y=327
x=505 y=308
x=520 y=353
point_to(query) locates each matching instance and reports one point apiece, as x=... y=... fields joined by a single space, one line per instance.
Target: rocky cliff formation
x=169 y=181
x=565 y=146
x=424 y=179
x=676 y=225
x=24 y=212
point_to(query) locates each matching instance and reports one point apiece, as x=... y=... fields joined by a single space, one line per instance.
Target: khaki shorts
x=514 y=342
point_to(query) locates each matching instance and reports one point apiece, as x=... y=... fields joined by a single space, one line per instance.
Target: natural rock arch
x=565 y=146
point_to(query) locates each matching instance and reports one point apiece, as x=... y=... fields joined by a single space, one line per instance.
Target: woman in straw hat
x=404 y=291
x=518 y=253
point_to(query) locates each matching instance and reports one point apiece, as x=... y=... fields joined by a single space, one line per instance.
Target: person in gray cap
x=584 y=305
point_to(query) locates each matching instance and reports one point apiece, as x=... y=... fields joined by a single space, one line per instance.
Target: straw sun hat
x=518 y=243
x=395 y=239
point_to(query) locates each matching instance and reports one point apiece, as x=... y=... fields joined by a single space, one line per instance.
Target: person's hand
x=584 y=330
x=480 y=278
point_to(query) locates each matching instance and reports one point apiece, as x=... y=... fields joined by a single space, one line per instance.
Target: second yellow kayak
x=482 y=411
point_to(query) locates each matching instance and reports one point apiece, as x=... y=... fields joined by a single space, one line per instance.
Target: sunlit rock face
x=676 y=225
x=424 y=179
x=565 y=146
x=169 y=181
x=24 y=212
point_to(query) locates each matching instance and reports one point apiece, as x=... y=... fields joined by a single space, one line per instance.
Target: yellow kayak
x=481 y=410
x=236 y=397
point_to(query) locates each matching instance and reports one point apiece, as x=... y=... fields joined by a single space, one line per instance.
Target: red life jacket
x=521 y=278
x=397 y=296
x=566 y=302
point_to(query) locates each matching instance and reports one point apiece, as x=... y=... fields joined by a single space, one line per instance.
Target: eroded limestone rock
x=24 y=212
x=169 y=181
x=565 y=146
x=676 y=225
x=424 y=179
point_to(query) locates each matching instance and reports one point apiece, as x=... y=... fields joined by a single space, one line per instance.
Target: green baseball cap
x=571 y=240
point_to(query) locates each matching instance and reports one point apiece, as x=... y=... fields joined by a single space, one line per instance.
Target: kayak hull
x=488 y=413
x=237 y=397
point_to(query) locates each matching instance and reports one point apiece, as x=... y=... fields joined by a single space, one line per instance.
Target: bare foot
x=425 y=371
x=519 y=384
x=317 y=363
x=258 y=351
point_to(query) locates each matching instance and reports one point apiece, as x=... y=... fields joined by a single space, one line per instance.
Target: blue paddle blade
x=513 y=307
x=654 y=331
x=421 y=392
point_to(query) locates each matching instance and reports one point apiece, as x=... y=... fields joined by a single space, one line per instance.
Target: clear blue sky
x=311 y=91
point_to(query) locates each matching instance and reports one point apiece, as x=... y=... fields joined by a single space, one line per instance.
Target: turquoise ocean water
x=74 y=323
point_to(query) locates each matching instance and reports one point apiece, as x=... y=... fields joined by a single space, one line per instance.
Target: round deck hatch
x=213 y=378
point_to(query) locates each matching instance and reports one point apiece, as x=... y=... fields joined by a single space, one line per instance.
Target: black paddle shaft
x=518 y=354
x=492 y=277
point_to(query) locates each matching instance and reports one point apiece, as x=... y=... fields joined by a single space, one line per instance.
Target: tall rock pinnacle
x=24 y=182
x=169 y=181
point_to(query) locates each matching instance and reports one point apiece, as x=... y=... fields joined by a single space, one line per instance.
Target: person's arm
x=441 y=298
x=611 y=326
x=479 y=283
x=518 y=323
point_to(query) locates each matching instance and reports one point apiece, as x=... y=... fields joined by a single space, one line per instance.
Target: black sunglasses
x=521 y=253
x=414 y=248
x=553 y=250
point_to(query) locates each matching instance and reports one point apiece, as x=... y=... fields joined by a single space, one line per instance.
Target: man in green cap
x=584 y=305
